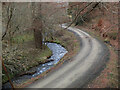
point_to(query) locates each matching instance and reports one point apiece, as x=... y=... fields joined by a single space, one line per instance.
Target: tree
x=9 y=13
x=37 y=24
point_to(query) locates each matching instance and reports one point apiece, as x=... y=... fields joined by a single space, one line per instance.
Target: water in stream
x=58 y=52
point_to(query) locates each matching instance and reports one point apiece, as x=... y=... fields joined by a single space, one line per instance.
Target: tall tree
x=37 y=24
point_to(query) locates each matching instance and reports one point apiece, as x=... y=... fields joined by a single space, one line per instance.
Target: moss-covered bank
x=22 y=55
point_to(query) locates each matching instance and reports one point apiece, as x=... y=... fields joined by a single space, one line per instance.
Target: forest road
x=84 y=67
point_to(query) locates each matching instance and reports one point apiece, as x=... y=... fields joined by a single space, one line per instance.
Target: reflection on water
x=58 y=52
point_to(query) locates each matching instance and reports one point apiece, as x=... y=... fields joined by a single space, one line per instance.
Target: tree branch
x=78 y=15
x=9 y=19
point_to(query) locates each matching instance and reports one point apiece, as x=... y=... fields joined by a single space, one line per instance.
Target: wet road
x=87 y=64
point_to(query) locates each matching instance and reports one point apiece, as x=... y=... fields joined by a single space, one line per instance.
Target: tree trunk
x=37 y=25
x=38 y=38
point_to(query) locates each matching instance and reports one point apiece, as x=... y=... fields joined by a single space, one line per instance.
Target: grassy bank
x=23 y=52
x=22 y=55
x=66 y=39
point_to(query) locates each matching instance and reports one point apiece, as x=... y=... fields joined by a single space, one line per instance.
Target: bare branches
x=78 y=15
x=108 y=29
x=10 y=14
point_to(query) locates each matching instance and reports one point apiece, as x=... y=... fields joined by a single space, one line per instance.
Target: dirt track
x=90 y=60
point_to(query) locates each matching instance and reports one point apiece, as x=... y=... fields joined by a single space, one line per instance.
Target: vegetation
x=22 y=37
x=65 y=38
x=108 y=78
x=19 y=60
x=96 y=16
x=101 y=21
x=26 y=25
x=113 y=35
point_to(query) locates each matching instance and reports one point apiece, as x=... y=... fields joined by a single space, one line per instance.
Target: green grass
x=24 y=62
x=24 y=56
x=23 y=38
x=43 y=56
x=30 y=54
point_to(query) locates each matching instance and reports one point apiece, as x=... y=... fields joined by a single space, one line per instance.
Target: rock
x=48 y=57
x=46 y=61
x=27 y=73
x=49 y=60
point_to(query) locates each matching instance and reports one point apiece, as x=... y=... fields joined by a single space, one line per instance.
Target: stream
x=57 y=53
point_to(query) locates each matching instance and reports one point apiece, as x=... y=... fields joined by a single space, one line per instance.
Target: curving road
x=83 y=68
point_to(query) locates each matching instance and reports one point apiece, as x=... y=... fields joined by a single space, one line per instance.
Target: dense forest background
x=100 y=17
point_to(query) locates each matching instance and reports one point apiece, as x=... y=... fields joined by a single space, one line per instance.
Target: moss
x=18 y=60
x=23 y=38
x=44 y=55
x=24 y=63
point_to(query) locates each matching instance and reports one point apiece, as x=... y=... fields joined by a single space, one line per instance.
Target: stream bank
x=66 y=39
x=57 y=53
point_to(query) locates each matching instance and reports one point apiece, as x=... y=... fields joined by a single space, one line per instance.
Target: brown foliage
x=100 y=23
